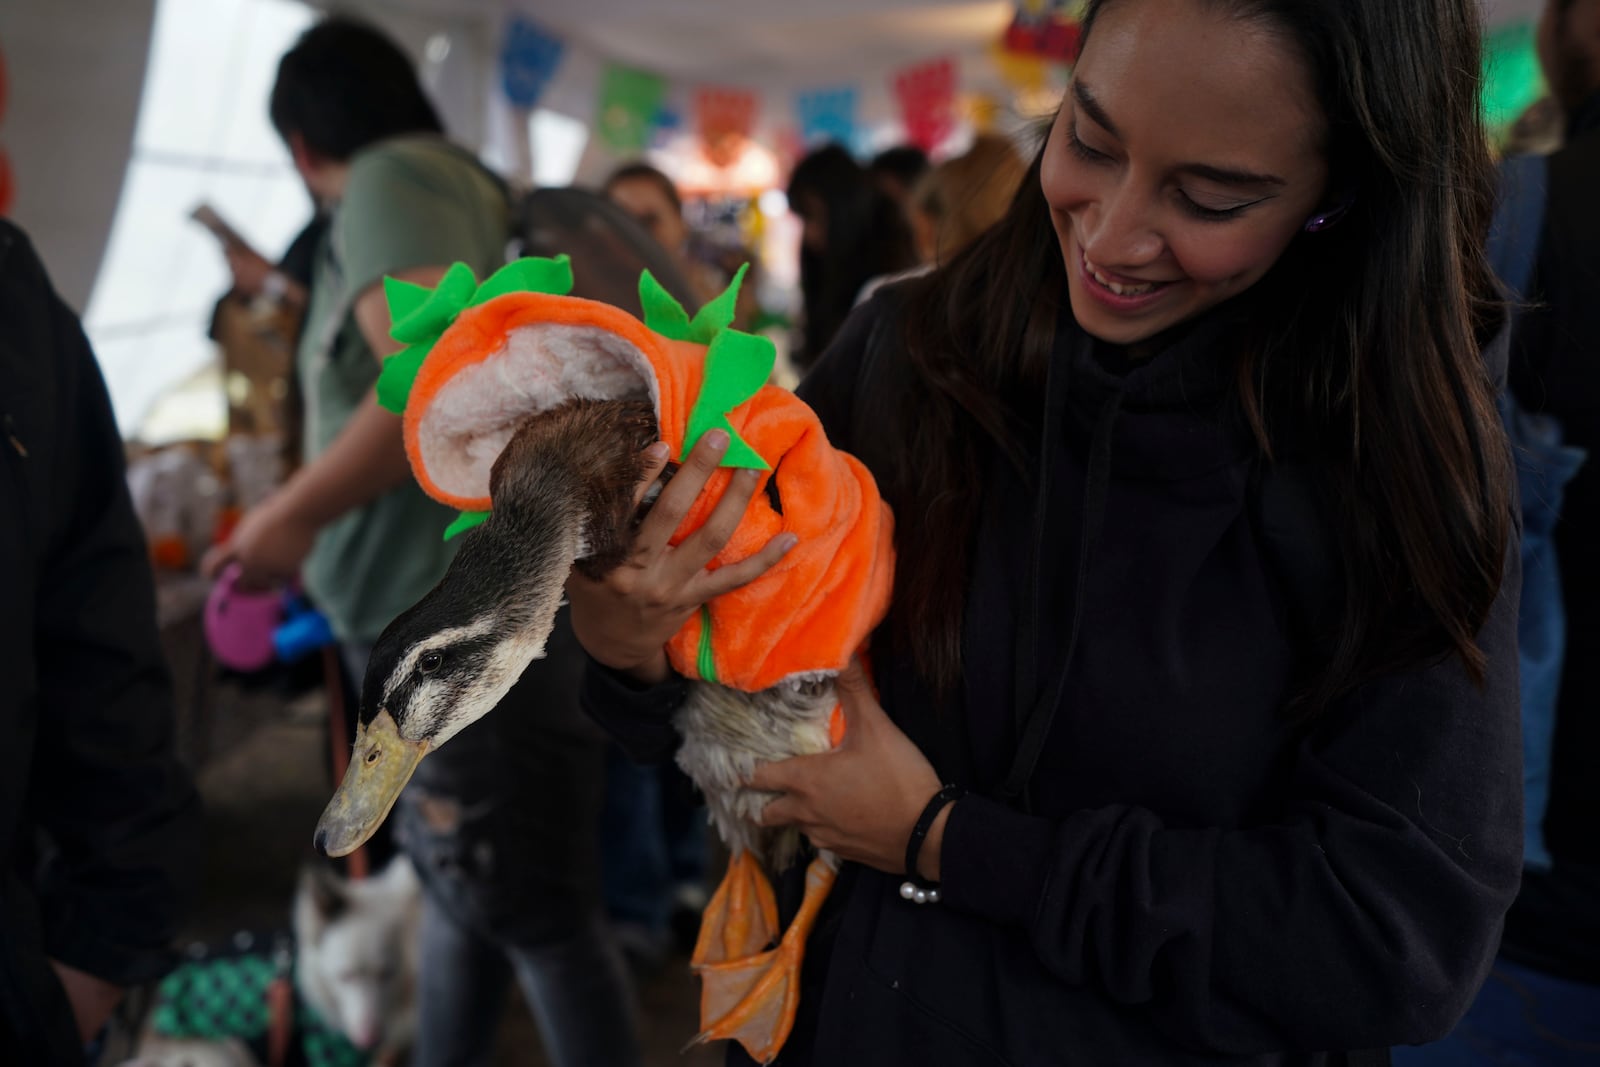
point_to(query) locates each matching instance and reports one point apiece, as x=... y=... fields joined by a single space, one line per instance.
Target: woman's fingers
x=679 y=495
x=701 y=547
x=655 y=461
x=711 y=584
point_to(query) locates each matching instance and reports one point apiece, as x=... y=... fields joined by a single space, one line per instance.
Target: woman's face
x=814 y=222
x=1186 y=157
x=644 y=200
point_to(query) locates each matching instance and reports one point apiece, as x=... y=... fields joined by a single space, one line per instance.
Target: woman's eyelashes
x=1082 y=151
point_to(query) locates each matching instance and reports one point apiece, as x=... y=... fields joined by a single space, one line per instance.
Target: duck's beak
x=380 y=767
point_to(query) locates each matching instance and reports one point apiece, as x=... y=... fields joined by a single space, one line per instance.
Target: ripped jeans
x=502 y=824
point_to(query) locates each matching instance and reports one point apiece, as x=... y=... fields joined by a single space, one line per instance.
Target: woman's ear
x=1322 y=220
x=304 y=158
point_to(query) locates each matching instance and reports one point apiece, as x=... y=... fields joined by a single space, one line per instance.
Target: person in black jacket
x=1206 y=584
x=99 y=823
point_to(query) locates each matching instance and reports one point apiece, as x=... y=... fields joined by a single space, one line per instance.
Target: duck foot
x=741 y=918
x=752 y=1000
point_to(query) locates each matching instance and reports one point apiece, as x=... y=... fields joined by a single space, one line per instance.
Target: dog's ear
x=321 y=899
x=399 y=878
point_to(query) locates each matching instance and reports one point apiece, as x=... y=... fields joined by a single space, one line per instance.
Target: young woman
x=1206 y=589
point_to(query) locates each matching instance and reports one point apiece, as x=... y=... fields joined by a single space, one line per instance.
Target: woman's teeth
x=1120 y=289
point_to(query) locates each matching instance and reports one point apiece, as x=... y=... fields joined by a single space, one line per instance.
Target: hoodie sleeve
x=1366 y=916
x=637 y=716
x=119 y=810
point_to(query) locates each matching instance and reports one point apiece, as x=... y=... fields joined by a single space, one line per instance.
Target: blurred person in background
x=852 y=233
x=648 y=195
x=651 y=198
x=956 y=202
x=896 y=171
x=502 y=826
x=100 y=831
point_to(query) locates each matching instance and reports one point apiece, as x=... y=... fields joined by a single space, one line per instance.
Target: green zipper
x=707 y=664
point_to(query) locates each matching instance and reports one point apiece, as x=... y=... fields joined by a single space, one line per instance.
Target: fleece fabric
x=525 y=352
x=1194 y=878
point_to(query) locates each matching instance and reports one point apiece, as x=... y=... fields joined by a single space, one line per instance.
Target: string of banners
x=632 y=105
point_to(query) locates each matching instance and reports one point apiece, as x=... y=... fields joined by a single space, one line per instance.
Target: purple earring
x=1318 y=223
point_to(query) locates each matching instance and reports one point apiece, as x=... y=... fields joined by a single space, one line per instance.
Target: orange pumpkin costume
x=521 y=352
x=486 y=358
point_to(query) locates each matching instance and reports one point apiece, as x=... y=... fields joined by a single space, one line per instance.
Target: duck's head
x=562 y=489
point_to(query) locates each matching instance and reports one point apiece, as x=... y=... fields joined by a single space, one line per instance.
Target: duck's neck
x=563 y=489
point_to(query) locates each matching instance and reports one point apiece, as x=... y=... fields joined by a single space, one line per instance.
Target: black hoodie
x=86 y=721
x=1189 y=878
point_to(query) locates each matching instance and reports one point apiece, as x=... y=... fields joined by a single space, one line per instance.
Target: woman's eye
x=1081 y=150
x=1211 y=214
x=430 y=662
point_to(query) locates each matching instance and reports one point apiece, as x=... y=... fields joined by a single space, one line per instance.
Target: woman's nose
x=1121 y=232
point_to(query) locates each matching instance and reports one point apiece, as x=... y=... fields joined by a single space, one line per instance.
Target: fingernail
x=717 y=441
x=750 y=474
x=787 y=541
x=658 y=451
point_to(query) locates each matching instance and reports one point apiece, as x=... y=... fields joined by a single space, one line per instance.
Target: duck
x=530 y=410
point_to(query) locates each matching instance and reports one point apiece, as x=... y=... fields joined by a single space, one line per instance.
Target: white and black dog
x=353 y=961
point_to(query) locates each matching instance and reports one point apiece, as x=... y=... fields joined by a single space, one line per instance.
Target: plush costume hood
x=483 y=359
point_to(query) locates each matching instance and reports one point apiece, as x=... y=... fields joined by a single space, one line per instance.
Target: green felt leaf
x=466 y=521
x=531 y=274
x=740 y=454
x=404 y=297
x=662 y=312
x=737 y=366
x=398 y=375
x=717 y=315
x=434 y=316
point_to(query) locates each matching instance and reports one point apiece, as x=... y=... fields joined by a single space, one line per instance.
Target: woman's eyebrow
x=1084 y=97
x=1229 y=176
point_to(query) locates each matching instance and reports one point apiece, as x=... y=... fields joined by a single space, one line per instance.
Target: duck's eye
x=429 y=662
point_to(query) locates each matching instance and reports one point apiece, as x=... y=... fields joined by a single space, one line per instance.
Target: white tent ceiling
x=748 y=42
x=776 y=41
x=767 y=43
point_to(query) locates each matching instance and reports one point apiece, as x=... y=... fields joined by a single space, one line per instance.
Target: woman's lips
x=1119 y=292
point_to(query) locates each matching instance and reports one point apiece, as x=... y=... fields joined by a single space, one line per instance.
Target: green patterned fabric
x=226 y=996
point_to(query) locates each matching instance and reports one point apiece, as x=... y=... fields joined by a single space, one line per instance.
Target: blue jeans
x=1522 y=1018
x=503 y=826
x=653 y=840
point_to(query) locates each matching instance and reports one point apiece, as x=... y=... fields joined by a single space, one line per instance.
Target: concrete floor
x=263 y=780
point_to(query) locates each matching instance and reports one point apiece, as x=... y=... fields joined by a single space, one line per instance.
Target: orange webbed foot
x=741 y=919
x=752 y=1000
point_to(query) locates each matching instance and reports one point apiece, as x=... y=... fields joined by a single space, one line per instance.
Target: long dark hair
x=1369 y=351
x=344 y=86
x=866 y=236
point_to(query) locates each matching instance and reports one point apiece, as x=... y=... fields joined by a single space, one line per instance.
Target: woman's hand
x=625 y=620
x=269 y=544
x=92 y=999
x=862 y=799
x=249 y=268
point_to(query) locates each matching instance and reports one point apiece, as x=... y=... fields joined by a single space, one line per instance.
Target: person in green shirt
x=503 y=827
